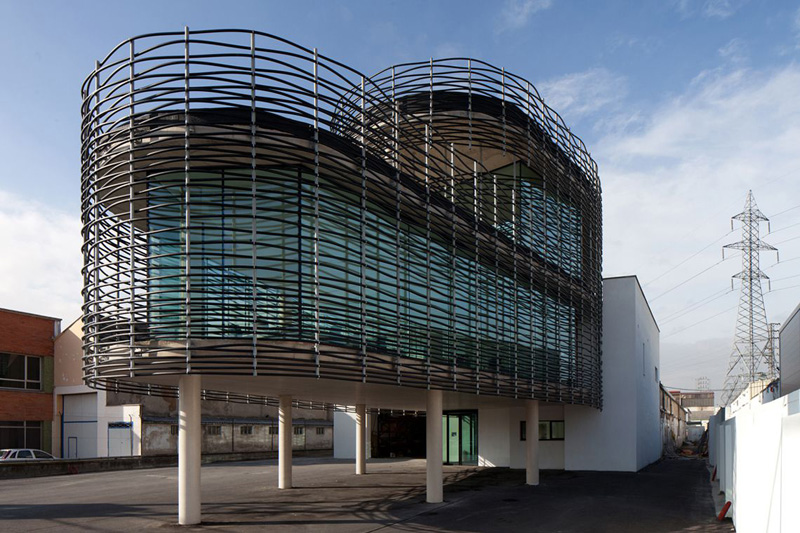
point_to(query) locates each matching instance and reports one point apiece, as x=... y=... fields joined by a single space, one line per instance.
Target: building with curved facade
x=261 y=222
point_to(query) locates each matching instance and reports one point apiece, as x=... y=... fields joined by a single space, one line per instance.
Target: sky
x=684 y=104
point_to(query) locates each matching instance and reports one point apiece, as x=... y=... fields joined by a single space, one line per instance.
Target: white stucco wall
x=551 y=452
x=85 y=421
x=648 y=389
x=494 y=437
x=626 y=434
x=344 y=435
x=758 y=464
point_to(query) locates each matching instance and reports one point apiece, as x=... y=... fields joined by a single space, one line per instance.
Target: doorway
x=460 y=437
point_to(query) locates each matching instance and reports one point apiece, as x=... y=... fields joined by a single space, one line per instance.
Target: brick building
x=26 y=379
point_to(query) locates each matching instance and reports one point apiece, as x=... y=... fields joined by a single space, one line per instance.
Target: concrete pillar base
x=433 y=442
x=285 y=443
x=189 y=440
x=532 y=442
x=361 y=439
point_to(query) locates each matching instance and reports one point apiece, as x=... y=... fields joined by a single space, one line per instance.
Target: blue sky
x=684 y=104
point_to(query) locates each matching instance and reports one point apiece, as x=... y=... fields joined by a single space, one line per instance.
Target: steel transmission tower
x=749 y=358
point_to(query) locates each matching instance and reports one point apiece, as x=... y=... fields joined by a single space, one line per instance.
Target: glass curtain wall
x=380 y=290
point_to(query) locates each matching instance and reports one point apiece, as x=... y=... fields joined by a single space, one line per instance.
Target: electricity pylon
x=749 y=359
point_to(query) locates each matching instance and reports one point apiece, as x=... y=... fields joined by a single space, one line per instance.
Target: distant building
x=700 y=405
x=674 y=418
x=26 y=379
x=100 y=423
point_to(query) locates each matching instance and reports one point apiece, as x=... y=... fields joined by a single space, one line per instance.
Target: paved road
x=672 y=495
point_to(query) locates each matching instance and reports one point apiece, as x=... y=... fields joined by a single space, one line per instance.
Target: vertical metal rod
x=503 y=70
x=187 y=203
x=528 y=122
x=253 y=201
x=363 y=236
x=96 y=247
x=316 y=218
x=428 y=354
x=469 y=92
x=475 y=278
x=453 y=267
x=131 y=195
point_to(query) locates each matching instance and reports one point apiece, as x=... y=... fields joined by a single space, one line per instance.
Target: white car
x=24 y=454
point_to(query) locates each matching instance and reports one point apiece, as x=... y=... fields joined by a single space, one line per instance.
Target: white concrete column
x=532 y=442
x=189 y=448
x=361 y=439
x=433 y=450
x=285 y=443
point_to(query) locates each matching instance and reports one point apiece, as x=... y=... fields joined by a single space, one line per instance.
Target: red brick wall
x=26 y=334
x=25 y=405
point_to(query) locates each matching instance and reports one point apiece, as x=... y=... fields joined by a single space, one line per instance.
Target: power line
x=703 y=249
x=708 y=217
x=773 y=265
x=684 y=282
x=786 y=277
x=783 y=228
x=787 y=240
x=782 y=289
x=785 y=211
x=697 y=305
x=699 y=322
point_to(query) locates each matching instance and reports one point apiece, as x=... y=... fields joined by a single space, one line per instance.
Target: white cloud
x=719 y=9
x=722 y=9
x=581 y=94
x=735 y=51
x=671 y=185
x=41 y=266
x=515 y=14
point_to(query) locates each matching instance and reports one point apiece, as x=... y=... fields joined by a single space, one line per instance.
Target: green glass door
x=460 y=438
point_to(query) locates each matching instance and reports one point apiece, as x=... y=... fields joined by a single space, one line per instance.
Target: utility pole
x=749 y=360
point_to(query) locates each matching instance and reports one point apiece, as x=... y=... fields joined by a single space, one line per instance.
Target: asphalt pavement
x=672 y=495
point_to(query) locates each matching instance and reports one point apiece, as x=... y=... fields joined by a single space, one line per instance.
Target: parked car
x=24 y=454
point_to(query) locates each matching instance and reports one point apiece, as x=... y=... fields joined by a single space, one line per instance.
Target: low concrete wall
x=24 y=469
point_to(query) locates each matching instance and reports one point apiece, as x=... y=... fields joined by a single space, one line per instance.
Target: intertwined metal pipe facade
x=253 y=208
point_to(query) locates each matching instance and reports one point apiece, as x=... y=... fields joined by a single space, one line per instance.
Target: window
x=551 y=430
x=173 y=429
x=20 y=434
x=298 y=430
x=39 y=454
x=273 y=430
x=523 y=430
x=214 y=430
x=246 y=430
x=320 y=431
x=20 y=371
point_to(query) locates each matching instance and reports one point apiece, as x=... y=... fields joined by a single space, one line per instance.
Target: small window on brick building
x=173 y=429
x=273 y=430
x=245 y=430
x=214 y=430
x=320 y=431
x=298 y=430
